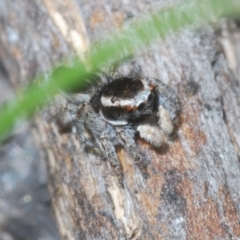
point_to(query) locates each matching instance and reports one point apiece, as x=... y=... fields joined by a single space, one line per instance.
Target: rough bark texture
x=193 y=191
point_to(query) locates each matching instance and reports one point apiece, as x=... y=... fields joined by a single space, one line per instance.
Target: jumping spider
x=119 y=107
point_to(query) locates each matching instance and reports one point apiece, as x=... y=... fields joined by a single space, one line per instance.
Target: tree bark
x=193 y=191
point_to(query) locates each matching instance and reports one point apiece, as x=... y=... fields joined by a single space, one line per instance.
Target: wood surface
x=193 y=191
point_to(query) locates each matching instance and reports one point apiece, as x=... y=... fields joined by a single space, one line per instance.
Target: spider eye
x=150 y=97
x=141 y=106
x=113 y=99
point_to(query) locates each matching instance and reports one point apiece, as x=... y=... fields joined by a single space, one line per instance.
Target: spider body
x=125 y=100
x=119 y=108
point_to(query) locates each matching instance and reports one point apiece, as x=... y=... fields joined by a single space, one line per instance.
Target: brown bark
x=193 y=191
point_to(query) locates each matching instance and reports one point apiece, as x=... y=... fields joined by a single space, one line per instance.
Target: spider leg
x=164 y=120
x=65 y=118
x=107 y=142
x=168 y=106
x=126 y=136
x=104 y=135
x=136 y=70
x=110 y=152
x=152 y=134
x=113 y=70
x=86 y=138
x=116 y=65
x=169 y=101
x=79 y=123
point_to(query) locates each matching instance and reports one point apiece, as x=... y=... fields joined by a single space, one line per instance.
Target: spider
x=118 y=108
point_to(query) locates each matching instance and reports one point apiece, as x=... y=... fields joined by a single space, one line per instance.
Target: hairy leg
x=127 y=138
